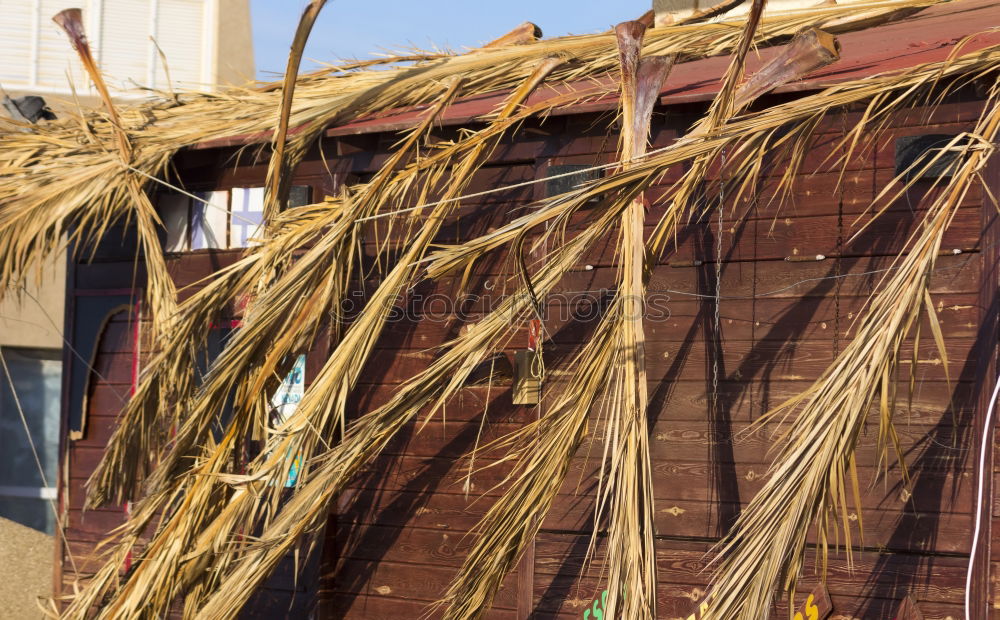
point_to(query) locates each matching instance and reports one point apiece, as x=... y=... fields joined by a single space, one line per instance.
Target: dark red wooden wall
x=397 y=538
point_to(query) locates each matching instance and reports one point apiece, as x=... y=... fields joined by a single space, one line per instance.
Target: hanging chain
x=840 y=254
x=718 y=287
x=837 y=272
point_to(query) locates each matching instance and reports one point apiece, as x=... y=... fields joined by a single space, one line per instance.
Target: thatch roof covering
x=71 y=180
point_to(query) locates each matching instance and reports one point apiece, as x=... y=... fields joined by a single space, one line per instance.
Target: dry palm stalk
x=708 y=13
x=544 y=450
x=161 y=296
x=813 y=473
x=281 y=168
x=525 y=33
x=628 y=495
x=808 y=51
x=723 y=108
x=327 y=261
x=724 y=105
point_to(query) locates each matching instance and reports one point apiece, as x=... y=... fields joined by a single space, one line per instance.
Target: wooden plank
x=374 y=607
x=698 y=481
x=92 y=525
x=106 y=400
x=921 y=526
x=525 y=580
x=887 y=530
x=778 y=236
x=418 y=582
x=980 y=595
x=745 y=399
x=410 y=545
x=83 y=460
x=816 y=193
x=682 y=571
x=413 y=509
x=681 y=320
x=765 y=279
x=775 y=360
x=686 y=441
x=561 y=599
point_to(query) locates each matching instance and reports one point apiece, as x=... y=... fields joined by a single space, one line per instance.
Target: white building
x=206 y=43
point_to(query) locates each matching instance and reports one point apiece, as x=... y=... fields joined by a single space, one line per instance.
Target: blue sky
x=357 y=28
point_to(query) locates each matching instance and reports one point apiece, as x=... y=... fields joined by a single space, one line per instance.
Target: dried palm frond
x=161 y=296
x=642 y=174
x=305 y=291
x=163 y=399
x=45 y=204
x=225 y=525
x=813 y=473
x=543 y=450
x=628 y=494
x=365 y=439
x=280 y=168
x=329 y=232
x=336 y=378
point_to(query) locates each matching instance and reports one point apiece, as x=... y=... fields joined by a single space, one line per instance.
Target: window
x=563 y=178
x=568 y=177
x=246 y=215
x=915 y=152
x=194 y=225
x=218 y=219
x=34 y=388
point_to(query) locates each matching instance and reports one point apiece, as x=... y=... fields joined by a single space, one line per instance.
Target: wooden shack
x=752 y=301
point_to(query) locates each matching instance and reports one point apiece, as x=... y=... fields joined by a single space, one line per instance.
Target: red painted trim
x=136 y=320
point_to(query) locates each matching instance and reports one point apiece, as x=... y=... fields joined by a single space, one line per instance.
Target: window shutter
x=15 y=40
x=125 y=45
x=179 y=34
x=174 y=211
x=208 y=223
